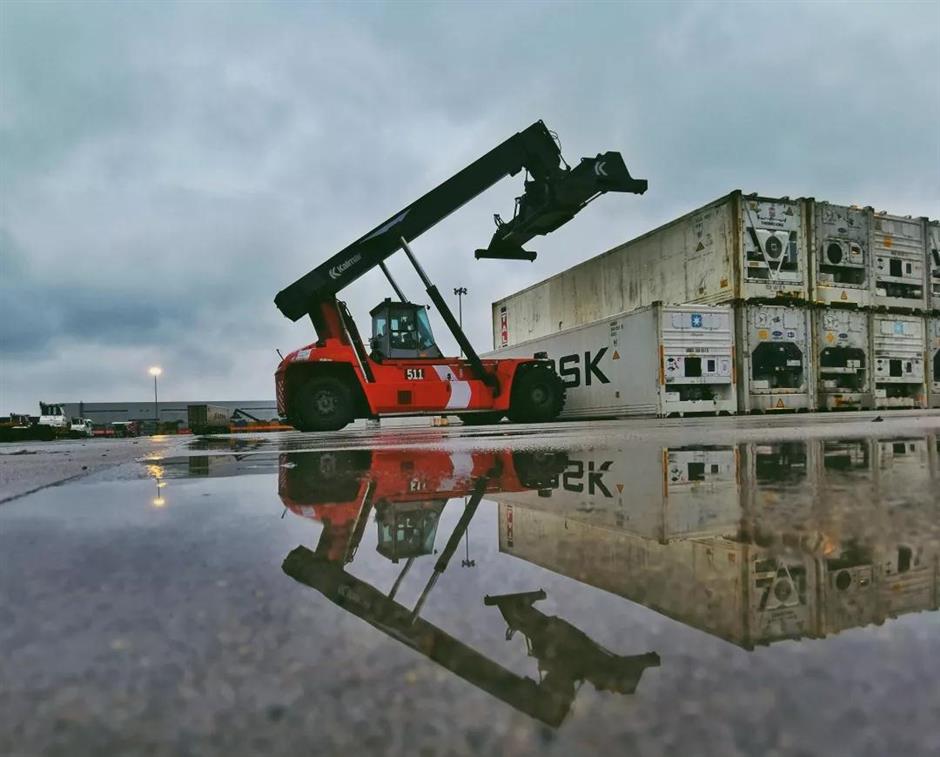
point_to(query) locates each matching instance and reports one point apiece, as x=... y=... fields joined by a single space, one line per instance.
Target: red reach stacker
x=329 y=383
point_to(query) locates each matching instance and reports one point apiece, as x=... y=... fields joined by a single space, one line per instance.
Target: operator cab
x=401 y=330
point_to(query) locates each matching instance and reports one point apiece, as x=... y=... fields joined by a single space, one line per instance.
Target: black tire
x=322 y=404
x=480 y=419
x=538 y=395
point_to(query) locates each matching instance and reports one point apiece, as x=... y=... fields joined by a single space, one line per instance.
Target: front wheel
x=323 y=404
x=538 y=395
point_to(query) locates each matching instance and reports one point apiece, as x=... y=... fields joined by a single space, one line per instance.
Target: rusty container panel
x=899 y=261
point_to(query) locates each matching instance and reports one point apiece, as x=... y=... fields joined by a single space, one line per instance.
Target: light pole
x=460 y=292
x=155 y=371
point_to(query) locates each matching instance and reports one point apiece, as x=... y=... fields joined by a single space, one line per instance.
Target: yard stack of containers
x=814 y=287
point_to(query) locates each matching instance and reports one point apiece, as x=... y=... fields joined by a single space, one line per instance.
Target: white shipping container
x=736 y=248
x=657 y=493
x=773 y=356
x=842 y=359
x=933 y=264
x=658 y=360
x=933 y=360
x=899 y=255
x=839 y=253
x=897 y=351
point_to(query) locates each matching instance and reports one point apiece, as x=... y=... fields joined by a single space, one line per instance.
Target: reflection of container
x=839 y=250
x=735 y=248
x=660 y=494
x=933 y=359
x=774 y=350
x=899 y=258
x=898 y=360
x=738 y=592
x=659 y=360
x=843 y=363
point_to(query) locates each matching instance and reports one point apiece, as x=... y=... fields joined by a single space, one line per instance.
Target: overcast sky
x=166 y=168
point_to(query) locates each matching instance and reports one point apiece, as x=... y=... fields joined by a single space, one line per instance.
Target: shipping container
x=933 y=360
x=773 y=357
x=899 y=256
x=658 y=360
x=897 y=351
x=933 y=264
x=842 y=359
x=661 y=494
x=740 y=247
x=739 y=592
x=839 y=253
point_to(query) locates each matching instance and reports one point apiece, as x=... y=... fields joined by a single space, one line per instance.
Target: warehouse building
x=102 y=413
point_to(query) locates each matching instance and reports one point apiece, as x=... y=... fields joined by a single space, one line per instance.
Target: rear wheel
x=538 y=395
x=481 y=419
x=323 y=404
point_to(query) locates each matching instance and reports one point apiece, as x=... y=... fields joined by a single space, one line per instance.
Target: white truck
x=53 y=414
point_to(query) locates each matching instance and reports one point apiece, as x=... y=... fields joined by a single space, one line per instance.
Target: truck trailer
x=657 y=360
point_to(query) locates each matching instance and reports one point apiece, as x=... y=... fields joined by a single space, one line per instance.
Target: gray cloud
x=167 y=168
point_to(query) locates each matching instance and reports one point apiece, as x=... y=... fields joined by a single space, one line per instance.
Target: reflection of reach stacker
x=327 y=384
x=566 y=656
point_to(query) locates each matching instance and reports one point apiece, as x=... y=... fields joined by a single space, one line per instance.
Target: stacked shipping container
x=826 y=301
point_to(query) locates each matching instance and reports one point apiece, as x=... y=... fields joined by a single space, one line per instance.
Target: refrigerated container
x=773 y=355
x=933 y=360
x=897 y=352
x=658 y=360
x=739 y=247
x=933 y=265
x=739 y=592
x=842 y=359
x=899 y=261
x=661 y=494
x=839 y=253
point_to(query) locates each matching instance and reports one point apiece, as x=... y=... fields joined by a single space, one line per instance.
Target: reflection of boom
x=564 y=653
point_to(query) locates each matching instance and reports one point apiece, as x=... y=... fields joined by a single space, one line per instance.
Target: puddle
x=249 y=597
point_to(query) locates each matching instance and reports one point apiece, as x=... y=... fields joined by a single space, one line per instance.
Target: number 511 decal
x=414 y=374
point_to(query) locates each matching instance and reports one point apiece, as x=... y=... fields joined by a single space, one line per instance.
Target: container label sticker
x=696 y=320
x=503 y=326
x=899 y=328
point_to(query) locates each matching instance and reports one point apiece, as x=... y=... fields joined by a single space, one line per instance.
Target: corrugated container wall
x=658 y=360
x=840 y=253
x=899 y=254
x=898 y=347
x=736 y=248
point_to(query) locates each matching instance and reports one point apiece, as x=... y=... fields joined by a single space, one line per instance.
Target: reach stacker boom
x=325 y=385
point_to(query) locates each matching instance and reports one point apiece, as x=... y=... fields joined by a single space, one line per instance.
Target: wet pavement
x=748 y=586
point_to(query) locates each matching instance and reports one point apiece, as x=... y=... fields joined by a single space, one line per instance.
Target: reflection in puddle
x=408 y=490
x=751 y=543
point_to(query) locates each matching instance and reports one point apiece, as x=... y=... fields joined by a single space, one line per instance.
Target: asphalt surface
x=735 y=586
